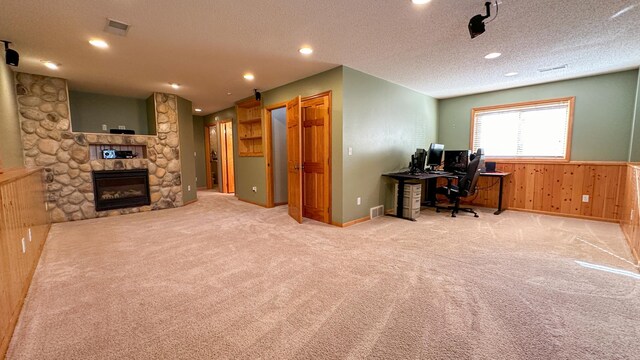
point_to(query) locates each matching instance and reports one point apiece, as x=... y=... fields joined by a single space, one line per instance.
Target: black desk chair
x=466 y=186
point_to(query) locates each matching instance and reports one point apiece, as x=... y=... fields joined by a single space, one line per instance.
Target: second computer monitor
x=456 y=160
x=419 y=159
x=434 y=158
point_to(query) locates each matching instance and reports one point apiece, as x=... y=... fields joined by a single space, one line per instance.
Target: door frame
x=268 y=152
x=223 y=176
x=267 y=149
x=207 y=153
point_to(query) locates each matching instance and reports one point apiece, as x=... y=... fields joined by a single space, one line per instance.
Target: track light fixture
x=477 y=24
x=12 y=57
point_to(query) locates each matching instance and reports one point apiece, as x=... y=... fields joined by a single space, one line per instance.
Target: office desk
x=402 y=177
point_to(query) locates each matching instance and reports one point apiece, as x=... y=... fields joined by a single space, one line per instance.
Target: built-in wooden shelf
x=249 y=127
x=251 y=120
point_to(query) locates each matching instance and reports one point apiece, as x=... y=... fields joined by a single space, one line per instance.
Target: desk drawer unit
x=411 y=200
x=410 y=213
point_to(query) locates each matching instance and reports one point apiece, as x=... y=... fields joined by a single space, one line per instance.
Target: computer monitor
x=456 y=160
x=418 y=160
x=434 y=159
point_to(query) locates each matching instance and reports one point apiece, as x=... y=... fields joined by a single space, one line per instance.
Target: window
x=534 y=130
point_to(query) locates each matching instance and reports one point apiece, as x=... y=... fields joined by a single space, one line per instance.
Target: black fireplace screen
x=121 y=189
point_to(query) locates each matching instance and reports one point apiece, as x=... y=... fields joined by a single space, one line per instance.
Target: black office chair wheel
x=475 y=215
x=453 y=215
x=437 y=210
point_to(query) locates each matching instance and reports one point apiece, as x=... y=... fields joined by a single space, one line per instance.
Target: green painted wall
x=151 y=111
x=634 y=149
x=10 y=138
x=602 y=120
x=198 y=143
x=187 y=149
x=89 y=111
x=255 y=167
x=384 y=123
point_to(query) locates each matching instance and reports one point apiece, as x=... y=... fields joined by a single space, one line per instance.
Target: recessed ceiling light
x=492 y=55
x=509 y=74
x=175 y=86
x=420 y=2
x=198 y=110
x=305 y=50
x=99 y=43
x=228 y=94
x=51 y=65
x=249 y=76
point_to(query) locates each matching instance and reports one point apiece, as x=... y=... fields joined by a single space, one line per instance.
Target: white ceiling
x=206 y=45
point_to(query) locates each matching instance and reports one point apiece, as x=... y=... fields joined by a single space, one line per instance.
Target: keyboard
x=438 y=172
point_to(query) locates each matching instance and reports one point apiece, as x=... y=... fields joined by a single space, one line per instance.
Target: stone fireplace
x=69 y=158
x=118 y=189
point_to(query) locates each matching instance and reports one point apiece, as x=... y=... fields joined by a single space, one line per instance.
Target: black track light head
x=11 y=56
x=476 y=24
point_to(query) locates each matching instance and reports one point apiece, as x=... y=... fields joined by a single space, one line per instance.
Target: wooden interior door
x=227 y=184
x=316 y=155
x=294 y=158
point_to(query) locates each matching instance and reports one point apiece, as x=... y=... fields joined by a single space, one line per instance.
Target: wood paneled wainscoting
x=24 y=225
x=557 y=188
x=630 y=219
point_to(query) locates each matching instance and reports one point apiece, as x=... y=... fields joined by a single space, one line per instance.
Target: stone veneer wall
x=48 y=141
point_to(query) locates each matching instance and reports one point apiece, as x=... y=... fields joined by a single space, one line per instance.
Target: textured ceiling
x=206 y=45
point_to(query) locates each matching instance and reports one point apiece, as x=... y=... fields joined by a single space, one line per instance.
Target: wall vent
x=376 y=211
x=116 y=27
x=554 y=68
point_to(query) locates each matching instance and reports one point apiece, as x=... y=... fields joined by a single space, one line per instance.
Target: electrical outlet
x=29 y=234
x=122 y=127
x=188 y=187
x=359 y=201
x=104 y=127
x=254 y=189
x=585 y=198
x=24 y=246
x=195 y=154
x=350 y=151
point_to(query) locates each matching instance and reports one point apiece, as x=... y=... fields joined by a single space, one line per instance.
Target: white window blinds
x=532 y=131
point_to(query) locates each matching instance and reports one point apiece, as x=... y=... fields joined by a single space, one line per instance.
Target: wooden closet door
x=316 y=158
x=294 y=159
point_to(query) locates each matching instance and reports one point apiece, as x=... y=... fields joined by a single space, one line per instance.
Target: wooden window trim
x=571 y=100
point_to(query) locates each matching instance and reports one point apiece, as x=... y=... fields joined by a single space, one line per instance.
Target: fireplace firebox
x=119 y=189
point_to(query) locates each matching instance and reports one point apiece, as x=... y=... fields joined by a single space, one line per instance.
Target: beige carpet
x=223 y=279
